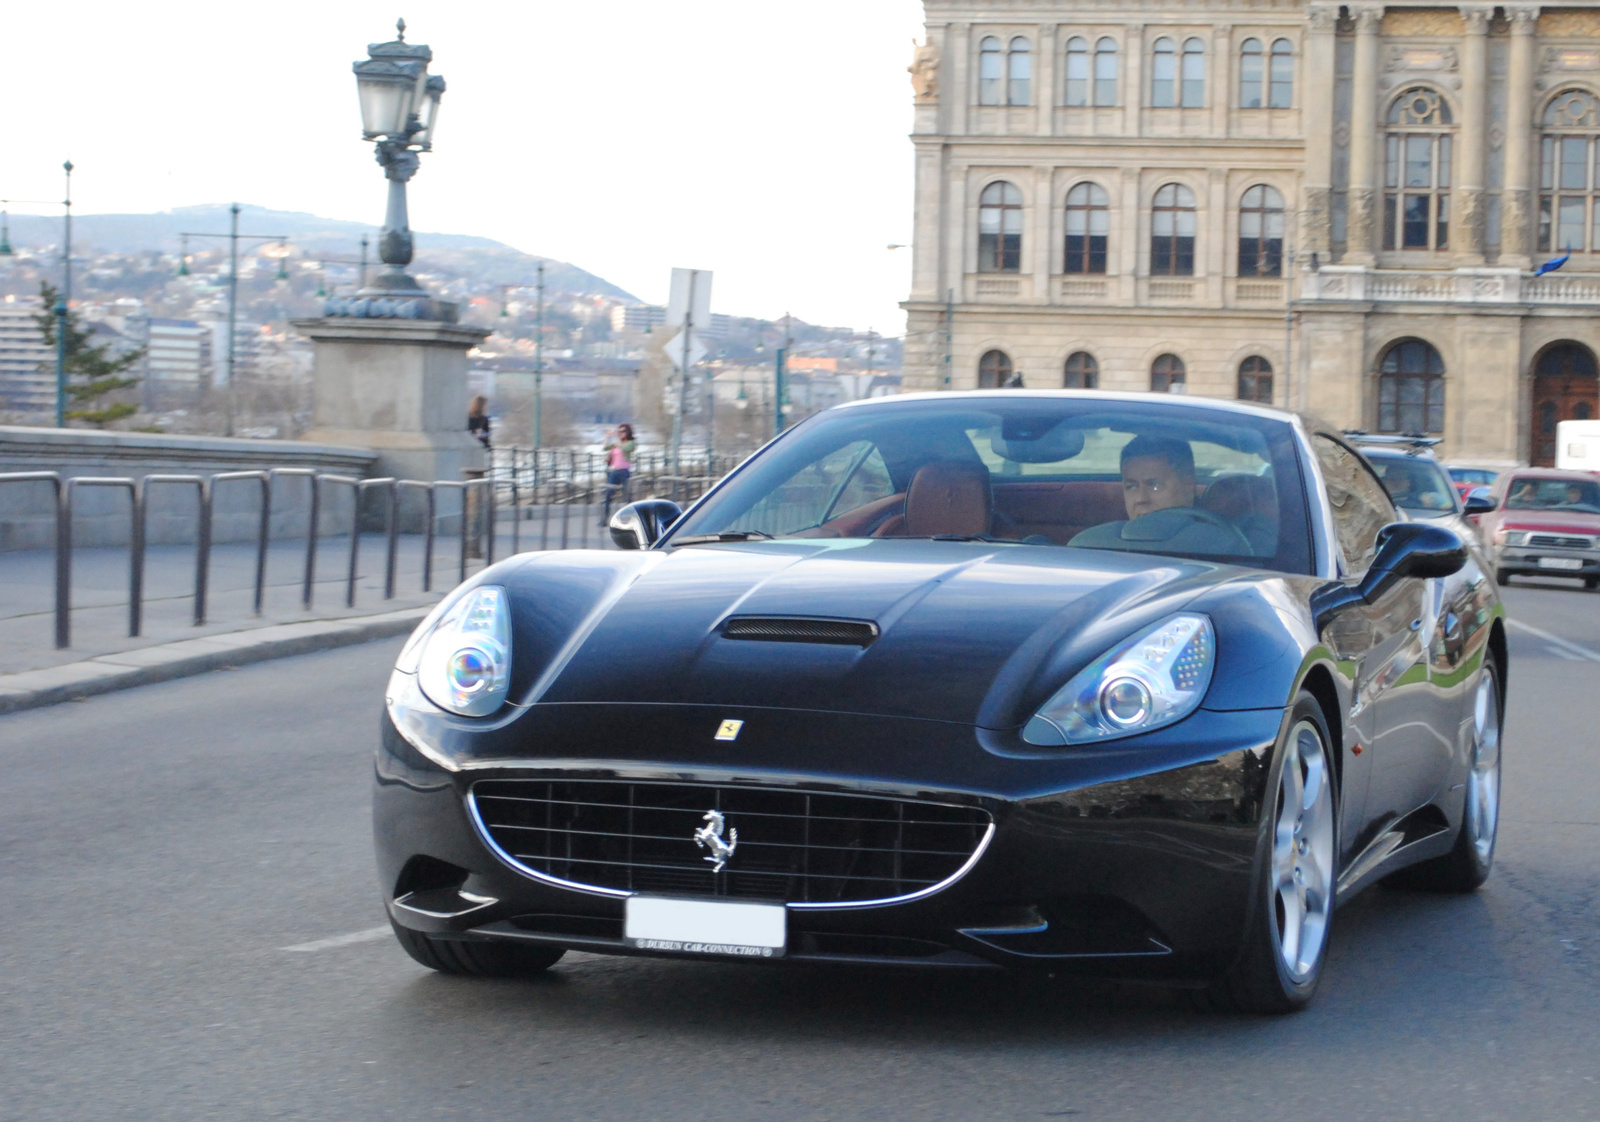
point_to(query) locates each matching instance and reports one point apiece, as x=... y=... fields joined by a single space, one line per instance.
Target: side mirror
x=1480 y=500
x=1405 y=550
x=640 y=525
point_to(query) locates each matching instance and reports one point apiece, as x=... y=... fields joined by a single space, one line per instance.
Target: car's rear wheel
x=1468 y=863
x=1591 y=583
x=1287 y=938
x=476 y=959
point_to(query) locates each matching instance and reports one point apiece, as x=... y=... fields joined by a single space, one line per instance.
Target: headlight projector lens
x=466 y=663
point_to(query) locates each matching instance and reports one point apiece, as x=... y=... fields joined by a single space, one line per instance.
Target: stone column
x=1045 y=82
x=1043 y=233
x=1516 y=201
x=397 y=386
x=1221 y=85
x=1316 y=116
x=1132 y=78
x=959 y=94
x=1363 y=199
x=1469 y=216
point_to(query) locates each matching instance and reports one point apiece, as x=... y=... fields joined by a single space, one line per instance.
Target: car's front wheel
x=476 y=959
x=1287 y=938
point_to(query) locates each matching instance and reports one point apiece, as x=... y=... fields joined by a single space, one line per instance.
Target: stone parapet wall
x=27 y=514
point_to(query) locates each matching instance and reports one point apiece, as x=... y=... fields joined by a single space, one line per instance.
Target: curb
x=72 y=681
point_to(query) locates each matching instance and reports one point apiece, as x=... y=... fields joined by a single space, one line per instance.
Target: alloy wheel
x=1302 y=853
x=1483 y=781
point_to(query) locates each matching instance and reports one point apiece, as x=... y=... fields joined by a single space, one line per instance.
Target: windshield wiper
x=724 y=536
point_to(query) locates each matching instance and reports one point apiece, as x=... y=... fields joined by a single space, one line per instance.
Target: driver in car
x=1158 y=490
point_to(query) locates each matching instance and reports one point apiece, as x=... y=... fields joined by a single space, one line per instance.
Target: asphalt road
x=187 y=930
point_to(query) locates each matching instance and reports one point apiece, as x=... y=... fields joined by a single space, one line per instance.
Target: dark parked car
x=1418 y=485
x=1547 y=523
x=1087 y=683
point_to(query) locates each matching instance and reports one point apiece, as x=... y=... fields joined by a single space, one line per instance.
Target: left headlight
x=465 y=662
x=1157 y=677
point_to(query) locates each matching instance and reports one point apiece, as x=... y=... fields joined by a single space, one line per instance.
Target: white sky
x=765 y=141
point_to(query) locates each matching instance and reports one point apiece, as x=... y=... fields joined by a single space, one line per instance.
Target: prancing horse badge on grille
x=710 y=837
x=729 y=730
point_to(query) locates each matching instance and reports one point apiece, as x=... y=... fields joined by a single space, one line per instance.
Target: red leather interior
x=1058 y=511
x=1237 y=497
x=947 y=497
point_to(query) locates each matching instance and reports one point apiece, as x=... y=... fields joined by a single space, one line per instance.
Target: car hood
x=968 y=632
x=1551 y=521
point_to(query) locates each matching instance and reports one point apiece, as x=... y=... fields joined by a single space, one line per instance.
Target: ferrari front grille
x=1560 y=541
x=801 y=847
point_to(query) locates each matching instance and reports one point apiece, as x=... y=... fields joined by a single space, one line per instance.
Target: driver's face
x=1149 y=484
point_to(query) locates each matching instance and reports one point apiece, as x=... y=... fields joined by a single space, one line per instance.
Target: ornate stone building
x=1335 y=207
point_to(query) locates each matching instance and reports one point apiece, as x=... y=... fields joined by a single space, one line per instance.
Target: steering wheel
x=1163 y=525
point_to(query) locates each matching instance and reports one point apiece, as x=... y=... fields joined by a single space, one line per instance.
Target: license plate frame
x=1561 y=564
x=687 y=925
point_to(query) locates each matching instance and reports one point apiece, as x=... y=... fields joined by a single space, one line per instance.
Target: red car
x=1545 y=522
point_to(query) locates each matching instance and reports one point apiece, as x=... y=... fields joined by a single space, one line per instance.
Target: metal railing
x=565 y=494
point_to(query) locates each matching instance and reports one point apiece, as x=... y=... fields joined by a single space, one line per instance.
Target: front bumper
x=1527 y=561
x=1129 y=860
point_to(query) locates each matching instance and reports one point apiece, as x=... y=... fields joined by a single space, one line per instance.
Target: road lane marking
x=366 y=936
x=1556 y=641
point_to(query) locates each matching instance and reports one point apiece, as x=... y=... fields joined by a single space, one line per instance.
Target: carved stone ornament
x=1421 y=58
x=1341 y=135
x=1570 y=58
x=1324 y=20
x=924 y=71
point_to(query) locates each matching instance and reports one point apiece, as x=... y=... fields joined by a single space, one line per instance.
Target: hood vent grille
x=801 y=629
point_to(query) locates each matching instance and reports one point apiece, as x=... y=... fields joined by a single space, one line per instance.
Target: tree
x=92 y=372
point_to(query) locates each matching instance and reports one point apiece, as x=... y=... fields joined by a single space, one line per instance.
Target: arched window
x=1255 y=380
x=1167 y=375
x=1261 y=232
x=991 y=72
x=1569 y=182
x=1411 y=389
x=1252 y=74
x=1163 y=74
x=1000 y=229
x=1172 y=222
x=1077 y=71
x=1194 y=73
x=994 y=370
x=1105 y=71
x=1088 y=225
x=1019 y=73
x=1416 y=201
x=1082 y=372
x=1280 y=87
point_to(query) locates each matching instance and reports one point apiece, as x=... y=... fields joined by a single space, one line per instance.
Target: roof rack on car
x=1413 y=442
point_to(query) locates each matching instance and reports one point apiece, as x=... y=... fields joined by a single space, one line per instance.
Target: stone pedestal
x=397 y=386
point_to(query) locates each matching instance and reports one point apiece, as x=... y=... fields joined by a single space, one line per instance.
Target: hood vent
x=801 y=629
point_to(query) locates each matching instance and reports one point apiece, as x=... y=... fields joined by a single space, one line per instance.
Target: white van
x=1578 y=445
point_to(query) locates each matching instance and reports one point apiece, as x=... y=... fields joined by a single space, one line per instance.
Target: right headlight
x=464 y=663
x=1157 y=677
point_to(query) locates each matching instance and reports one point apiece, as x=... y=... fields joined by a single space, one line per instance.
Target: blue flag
x=1552 y=265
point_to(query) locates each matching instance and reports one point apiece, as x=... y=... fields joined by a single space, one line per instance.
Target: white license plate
x=1560 y=563
x=658 y=923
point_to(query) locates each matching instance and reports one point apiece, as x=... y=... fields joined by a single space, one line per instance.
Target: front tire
x=1502 y=578
x=1286 y=941
x=476 y=959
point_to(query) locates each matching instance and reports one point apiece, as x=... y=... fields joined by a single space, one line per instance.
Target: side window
x=804 y=499
x=869 y=483
x=1360 y=506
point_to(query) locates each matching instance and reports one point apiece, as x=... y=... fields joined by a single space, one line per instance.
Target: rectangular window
x=1547 y=163
x=1281 y=95
x=1163 y=80
x=1569 y=227
x=1194 y=79
x=1574 y=163
x=1105 y=78
x=1419 y=161
x=1250 y=80
x=1414 y=222
x=1441 y=227
x=1389 y=203
x=1077 y=78
x=1020 y=92
x=990 y=80
x=1391 y=165
x=1545 y=205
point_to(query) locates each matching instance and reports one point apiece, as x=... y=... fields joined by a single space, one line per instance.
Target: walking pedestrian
x=619 y=465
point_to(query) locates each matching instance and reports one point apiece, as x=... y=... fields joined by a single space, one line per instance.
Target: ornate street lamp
x=399 y=106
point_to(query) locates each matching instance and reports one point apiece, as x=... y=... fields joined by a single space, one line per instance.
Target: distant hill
x=484 y=259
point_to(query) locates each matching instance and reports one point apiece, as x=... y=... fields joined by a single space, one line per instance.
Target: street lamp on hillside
x=399 y=106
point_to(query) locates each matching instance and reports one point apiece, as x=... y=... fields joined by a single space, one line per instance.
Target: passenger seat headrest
x=948 y=497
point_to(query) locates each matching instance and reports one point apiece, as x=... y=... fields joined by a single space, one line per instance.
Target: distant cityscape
x=138 y=284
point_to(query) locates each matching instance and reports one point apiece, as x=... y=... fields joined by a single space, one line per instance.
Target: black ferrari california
x=1079 y=682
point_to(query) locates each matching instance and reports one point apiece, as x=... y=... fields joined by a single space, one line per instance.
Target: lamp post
x=233 y=237
x=399 y=107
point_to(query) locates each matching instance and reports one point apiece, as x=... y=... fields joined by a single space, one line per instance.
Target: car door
x=1381 y=643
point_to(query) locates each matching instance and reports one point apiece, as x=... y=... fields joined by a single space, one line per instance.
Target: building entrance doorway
x=1566 y=387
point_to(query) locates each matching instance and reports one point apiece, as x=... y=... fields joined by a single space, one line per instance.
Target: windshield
x=1477 y=476
x=1415 y=484
x=1090 y=473
x=1535 y=493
